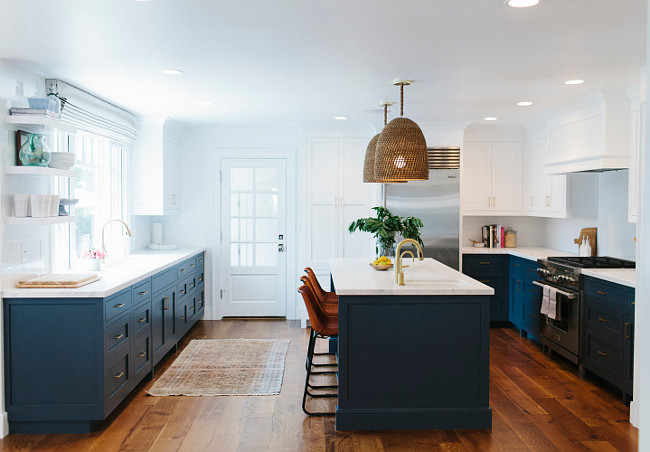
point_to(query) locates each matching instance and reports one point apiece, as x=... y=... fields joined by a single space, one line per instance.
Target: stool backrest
x=317 y=318
x=317 y=287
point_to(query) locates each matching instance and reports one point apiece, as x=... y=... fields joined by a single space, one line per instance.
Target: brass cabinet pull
x=191 y=285
x=182 y=317
x=143 y=293
x=192 y=265
x=192 y=308
x=182 y=269
x=634 y=302
x=142 y=355
x=485 y=263
x=531 y=270
x=531 y=316
x=118 y=375
x=489 y=201
x=182 y=291
x=494 y=201
x=119 y=305
x=200 y=301
x=531 y=290
x=118 y=337
x=627 y=335
x=165 y=303
x=602 y=353
x=602 y=293
x=516 y=265
x=200 y=261
x=142 y=320
x=484 y=281
x=201 y=279
x=603 y=320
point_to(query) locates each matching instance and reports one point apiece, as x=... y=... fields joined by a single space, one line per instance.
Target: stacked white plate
x=62 y=160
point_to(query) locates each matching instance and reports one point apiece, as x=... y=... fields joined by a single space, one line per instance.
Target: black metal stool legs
x=310 y=364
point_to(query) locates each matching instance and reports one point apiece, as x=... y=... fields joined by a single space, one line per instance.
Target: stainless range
x=563 y=334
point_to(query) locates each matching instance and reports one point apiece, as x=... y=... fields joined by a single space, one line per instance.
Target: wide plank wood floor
x=538 y=404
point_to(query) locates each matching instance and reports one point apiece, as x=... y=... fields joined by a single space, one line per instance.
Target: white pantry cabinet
x=546 y=193
x=155 y=175
x=336 y=196
x=637 y=117
x=492 y=178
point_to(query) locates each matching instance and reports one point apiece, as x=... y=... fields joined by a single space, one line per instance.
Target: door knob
x=280 y=247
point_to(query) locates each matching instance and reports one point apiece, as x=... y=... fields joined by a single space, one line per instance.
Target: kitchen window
x=100 y=189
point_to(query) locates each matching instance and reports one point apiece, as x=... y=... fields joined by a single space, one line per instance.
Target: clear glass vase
x=35 y=151
x=384 y=248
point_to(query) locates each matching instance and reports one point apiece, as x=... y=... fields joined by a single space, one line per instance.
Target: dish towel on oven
x=552 y=306
x=546 y=301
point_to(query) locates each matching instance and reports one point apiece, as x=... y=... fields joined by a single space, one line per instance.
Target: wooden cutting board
x=58 y=281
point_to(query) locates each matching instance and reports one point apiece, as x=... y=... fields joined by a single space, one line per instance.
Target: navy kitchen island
x=413 y=356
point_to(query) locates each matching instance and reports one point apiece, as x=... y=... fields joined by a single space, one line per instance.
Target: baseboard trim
x=5 y=425
x=634 y=414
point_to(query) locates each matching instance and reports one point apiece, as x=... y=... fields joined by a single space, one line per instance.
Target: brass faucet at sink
x=399 y=272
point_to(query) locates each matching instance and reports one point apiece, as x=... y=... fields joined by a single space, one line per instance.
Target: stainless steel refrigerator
x=437 y=203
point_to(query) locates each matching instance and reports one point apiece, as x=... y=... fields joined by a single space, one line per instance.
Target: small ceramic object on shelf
x=35 y=151
x=21 y=204
x=39 y=205
x=66 y=202
x=54 y=205
x=62 y=160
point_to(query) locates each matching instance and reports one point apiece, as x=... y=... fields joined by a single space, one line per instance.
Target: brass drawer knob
x=192 y=285
x=120 y=375
x=192 y=308
x=200 y=301
x=182 y=317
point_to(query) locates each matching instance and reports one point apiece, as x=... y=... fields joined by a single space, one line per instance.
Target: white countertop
x=114 y=278
x=426 y=277
x=526 y=252
x=624 y=276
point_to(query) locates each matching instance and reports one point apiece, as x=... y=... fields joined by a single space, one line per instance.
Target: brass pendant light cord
x=385 y=114
x=401 y=99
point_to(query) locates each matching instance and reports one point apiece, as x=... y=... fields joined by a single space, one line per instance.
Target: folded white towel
x=545 y=300
x=552 y=309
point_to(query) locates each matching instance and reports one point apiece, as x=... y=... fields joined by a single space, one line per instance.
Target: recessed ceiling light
x=490 y=118
x=574 y=82
x=341 y=118
x=171 y=71
x=525 y=103
x=521 y=3
x=208 y=103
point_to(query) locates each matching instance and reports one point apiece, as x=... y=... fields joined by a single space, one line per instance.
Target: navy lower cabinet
x=525 y=297
x=491 y=270
x=69 y=362
x=609 y=333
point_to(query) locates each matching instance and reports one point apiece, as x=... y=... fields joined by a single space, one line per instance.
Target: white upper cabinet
x=589 y=134
x=154 y=169
x=336 y=196
x=492 y=178
x=546 y=193
x=637 y=115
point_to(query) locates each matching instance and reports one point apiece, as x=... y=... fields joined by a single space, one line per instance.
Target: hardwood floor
x=538 y=404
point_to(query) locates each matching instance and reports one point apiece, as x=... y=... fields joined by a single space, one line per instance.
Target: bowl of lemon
x=381 y=263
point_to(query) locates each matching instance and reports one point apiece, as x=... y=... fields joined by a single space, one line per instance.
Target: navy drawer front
x=630 y=295
x=182 y=289
x=142 y=318
x=191 y=283
x=117 y=304
x=164 y=279
x=602 y=317
x=142 y=355
x=117 y=375
x=604 y=356
x=142 y=292
x=200 y=260
x=485 y=262
x=200 y=298
x=607 y=292
x=117 y=334
x=523 y=265
x=199 y=277
x=494 y=280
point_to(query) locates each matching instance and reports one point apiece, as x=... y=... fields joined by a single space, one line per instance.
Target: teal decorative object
x=35 y=151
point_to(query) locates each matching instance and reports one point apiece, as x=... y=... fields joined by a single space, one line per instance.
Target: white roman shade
x=88 y=112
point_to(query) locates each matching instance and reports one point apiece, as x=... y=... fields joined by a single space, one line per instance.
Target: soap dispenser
x=587 y=247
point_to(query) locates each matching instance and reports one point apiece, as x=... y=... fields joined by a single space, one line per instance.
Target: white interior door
x=253 y=225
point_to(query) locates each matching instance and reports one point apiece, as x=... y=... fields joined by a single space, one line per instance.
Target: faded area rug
x=211 y=367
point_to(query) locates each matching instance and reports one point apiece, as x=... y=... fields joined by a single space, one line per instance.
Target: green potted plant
x=385 y=228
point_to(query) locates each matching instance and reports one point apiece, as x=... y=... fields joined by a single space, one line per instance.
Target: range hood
x=589 y=135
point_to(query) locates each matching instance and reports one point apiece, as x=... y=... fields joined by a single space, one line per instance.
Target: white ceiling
x=293 y=61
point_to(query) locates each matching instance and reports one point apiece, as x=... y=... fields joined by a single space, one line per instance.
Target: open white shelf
x=26 y=221
x=38 y=171
x=39 y=122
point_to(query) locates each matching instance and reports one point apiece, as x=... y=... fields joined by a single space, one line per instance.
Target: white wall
x=530 y=230
x=615 y=234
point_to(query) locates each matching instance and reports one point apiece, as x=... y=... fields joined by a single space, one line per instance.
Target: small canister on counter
x=511 y=238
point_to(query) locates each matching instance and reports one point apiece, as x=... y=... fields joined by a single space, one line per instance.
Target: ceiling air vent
x=444 y=158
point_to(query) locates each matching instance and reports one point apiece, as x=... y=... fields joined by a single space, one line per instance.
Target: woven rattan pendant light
x=369 y=160
x=401 y=149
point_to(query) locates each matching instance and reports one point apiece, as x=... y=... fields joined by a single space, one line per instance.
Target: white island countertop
x=114 y=278
x=426 y=277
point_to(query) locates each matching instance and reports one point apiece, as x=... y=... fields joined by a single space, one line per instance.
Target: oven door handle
x=569 y=295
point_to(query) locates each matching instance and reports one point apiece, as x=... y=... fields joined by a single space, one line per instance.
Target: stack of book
x=494 y=236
